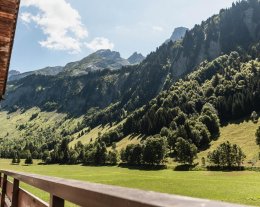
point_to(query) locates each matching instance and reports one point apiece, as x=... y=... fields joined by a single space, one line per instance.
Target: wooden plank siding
x=94 y=195
x=8 y=17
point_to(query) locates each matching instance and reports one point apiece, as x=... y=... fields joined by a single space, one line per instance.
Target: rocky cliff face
x=234 y=29
x=177 y=34
x=136 y=58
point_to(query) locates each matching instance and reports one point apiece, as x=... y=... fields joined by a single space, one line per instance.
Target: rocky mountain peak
x=136 y=58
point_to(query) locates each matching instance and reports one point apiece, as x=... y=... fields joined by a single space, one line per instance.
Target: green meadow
x=235 y=187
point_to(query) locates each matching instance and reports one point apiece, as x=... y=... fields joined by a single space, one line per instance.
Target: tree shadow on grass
x=143 y=167
x=185 y=167
x=239 y=121
x=138 y=136
x=225 y=168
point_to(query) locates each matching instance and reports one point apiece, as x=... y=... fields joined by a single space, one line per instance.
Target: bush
x=227 y=155
x=154 y=150
x=112 y=157
x=34 y=116
x=28 y=160
x=185 y=151
x=132 y=154
x=257 y=135
x=254 y=117
x=112 y=136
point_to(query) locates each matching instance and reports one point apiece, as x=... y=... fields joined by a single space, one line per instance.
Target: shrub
x=132 y=154
x=227 y=155
x=28 y=160
x=185 y=151
x=257 y=135
x=154 y=150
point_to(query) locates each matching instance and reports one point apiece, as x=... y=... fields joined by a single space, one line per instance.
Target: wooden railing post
x=15 y=193
x=56 y=201
x=3 y=190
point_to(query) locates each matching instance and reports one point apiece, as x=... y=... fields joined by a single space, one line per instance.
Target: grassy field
x=10 y=122
x=237 y=187
x=242 y=134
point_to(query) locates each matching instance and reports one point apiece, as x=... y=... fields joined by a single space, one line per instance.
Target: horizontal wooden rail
x=88 y=194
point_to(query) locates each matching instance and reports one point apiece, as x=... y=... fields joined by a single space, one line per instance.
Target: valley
x=183 y=120
x=241 y=133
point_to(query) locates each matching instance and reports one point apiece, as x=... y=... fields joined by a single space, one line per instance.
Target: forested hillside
x=179 y=95
x=225 y=89
x=134 y=86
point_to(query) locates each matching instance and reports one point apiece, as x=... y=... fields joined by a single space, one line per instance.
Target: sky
x=56 y=32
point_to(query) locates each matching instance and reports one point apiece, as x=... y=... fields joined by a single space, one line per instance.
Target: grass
x=10 y=122
x=91 y=136
x=235 y=187
x=243 y=134
x=130 y=139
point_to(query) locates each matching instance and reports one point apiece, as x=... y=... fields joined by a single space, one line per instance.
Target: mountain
x=228 y=86
x=177 y=34
x=115 y=94
x=12 y=73
x=102 y=59
x=136 y=85
x=48 y=71
x=136 y=58
x=182 y=91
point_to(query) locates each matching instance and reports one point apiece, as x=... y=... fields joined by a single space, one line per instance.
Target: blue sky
x=55 y=32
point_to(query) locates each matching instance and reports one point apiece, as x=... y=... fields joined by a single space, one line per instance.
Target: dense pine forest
x=177 y=99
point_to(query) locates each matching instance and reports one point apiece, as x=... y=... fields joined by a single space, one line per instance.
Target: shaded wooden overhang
x=8 y=17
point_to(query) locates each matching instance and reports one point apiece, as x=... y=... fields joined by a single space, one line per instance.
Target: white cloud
x=157 y=28
x=100 y=43
x=26 y=17
x=59 y=22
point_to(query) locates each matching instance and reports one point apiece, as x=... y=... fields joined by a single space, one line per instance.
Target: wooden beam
x=15 y=193
x=27 y=199
x=7 y=15
x=9 y=190
x=8 y=4
x=8 y=19
x=3 y=190
x=56 y=201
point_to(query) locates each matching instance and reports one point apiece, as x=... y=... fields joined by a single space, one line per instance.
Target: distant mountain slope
x=178 y=33
x=136 y=58
x=230 y=84
x=49 y=71
x=185 y=89
x=13 y=72
x=102 y=59
x=120 y=92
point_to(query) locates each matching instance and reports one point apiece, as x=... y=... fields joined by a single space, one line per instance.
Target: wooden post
x=3 y=190
x=15 y=193
x=56 y=201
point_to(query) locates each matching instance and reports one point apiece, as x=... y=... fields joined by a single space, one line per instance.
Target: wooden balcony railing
x=87 y=194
